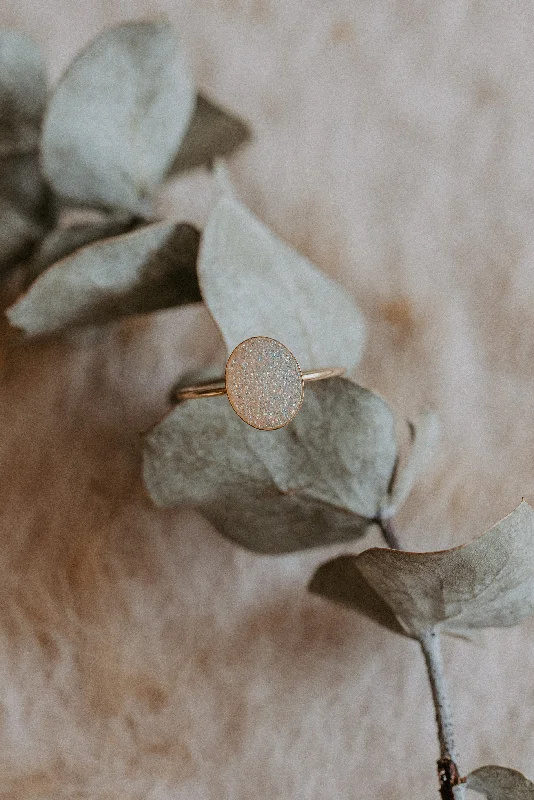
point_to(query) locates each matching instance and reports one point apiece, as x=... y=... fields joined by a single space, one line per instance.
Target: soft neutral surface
x=142 y=656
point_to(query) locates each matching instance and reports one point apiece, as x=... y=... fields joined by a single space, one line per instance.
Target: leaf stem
x=451 y=785
x=448 y=774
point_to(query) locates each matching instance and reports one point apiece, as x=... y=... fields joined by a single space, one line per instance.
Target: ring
x=263 y=382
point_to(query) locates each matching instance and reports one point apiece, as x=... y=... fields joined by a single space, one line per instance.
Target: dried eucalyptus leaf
x=254 y=284
x=486 y=583
x=22 y=185
x=425 y=435
x=149 y=269
x=341 y=582
x=117 y=117
x=22 y=93
x=315 y=482
x=26 y=209
x=61 y=242
x=213 y=133
x=500 y=783
x=18 y=234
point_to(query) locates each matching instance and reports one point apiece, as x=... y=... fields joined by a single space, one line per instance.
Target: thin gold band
x=219 y=387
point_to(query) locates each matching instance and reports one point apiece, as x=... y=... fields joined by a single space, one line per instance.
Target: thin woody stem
x=448 y=774
x=451 y=786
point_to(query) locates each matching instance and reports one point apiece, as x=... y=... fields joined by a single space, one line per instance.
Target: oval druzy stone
x=264 y=383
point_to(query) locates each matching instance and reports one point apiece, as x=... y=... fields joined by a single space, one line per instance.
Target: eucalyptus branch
x=264 y=496
x=448 y=774
x=451 y=787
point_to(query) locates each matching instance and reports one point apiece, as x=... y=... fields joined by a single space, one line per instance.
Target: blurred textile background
x=141 y=655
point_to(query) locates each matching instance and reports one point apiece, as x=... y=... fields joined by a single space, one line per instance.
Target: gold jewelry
x=263 y=382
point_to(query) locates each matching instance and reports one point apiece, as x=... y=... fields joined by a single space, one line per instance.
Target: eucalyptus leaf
x=488 y=582
x=341 y=581
x=317 y=481
x=22 y=185
x=213 y=133
x=26 y=208
x=18 y=234
x=61 y=242
x=149 y=269
x=424 y=440
x=255 y=285
x=500 y=783
x=23 y=93
x=118 y=116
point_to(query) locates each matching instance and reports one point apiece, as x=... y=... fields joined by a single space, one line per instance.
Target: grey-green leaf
x=341 y=581
x=21 y=184
x=488 y=582
x=61 y=242
x=425 y=435
x=118 y=116
x=255 y=285
x=500 y=783
x=213 y=133
x=22 y=93
x=315 y=482
x=27 y=210
x=18 y=234
x=149 y=269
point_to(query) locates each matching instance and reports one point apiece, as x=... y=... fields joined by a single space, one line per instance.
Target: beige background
x=142 y=656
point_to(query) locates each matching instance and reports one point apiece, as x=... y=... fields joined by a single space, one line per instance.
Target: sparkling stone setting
x=264 y=383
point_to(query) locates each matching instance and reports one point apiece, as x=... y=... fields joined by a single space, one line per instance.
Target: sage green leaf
x=486 y=583
x=116 y=119
x=317 y=481
x=424 y=440
x=22 y=93
x=149 y=269
x=255 y=285
x=26 y=208
x=341 y=582
x=213 y=133
x=500 y=783
x=18 y=234
x=22 y=185
x=61 y=242
x=23 y=195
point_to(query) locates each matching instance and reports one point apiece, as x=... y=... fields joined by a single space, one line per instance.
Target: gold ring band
x=263 y=382
x=218 y=387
